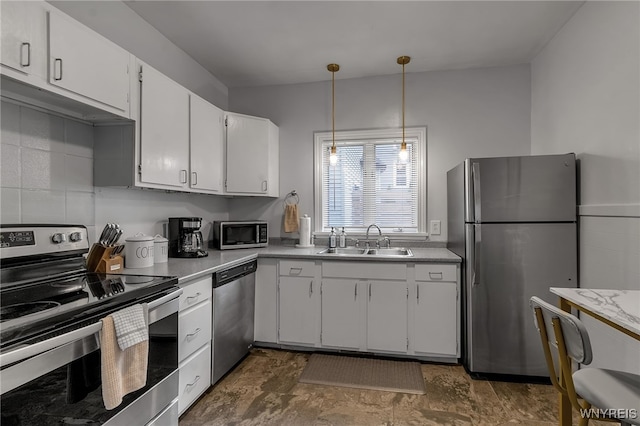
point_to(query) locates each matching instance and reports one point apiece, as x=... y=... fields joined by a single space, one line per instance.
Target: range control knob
x=59 y=238
x=75 y=237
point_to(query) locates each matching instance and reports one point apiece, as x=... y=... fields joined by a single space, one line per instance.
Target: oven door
x=57 y=381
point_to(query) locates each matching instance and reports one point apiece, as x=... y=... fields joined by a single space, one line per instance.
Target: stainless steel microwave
x=240 y=234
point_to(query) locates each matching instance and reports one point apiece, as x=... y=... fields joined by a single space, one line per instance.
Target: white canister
x=139 y=251
x=161 y=249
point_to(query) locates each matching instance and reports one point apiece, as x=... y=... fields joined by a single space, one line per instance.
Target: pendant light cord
x=403 y=103
x=333 y=108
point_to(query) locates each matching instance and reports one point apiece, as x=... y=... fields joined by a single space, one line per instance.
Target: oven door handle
x=156 y=312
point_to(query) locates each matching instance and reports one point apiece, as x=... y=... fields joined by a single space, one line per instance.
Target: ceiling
x=256 y=43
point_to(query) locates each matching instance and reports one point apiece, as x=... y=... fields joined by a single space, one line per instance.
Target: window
x=370 y=183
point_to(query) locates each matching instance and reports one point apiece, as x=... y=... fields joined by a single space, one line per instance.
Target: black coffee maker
x=185 y=238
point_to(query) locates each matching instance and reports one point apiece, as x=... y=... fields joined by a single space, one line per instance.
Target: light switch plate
x=434 y=227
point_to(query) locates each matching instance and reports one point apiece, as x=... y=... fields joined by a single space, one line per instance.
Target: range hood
x=25 y=94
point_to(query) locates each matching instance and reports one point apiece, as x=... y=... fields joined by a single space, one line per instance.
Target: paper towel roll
x=305 y=231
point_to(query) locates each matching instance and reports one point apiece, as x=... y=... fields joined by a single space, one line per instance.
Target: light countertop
x=621 y=307
x=187 y=269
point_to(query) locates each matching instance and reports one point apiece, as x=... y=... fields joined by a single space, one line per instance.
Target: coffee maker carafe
x=185 y=238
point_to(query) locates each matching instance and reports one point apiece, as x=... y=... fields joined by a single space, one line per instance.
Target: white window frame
x=417 y=133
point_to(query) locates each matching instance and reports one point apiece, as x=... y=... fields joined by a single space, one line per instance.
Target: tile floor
x=263 y=390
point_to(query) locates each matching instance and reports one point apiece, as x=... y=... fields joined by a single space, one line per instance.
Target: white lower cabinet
x=342 y=303
x=387 y=316
x=194 y=340
x=194 y=377
x=266 y=307
x=436 y=324
x=384 y=307
x=298 y=314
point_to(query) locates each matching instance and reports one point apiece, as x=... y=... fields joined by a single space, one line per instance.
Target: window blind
x=370 y=184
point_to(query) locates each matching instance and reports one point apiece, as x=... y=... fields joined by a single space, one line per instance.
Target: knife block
x=100 y=260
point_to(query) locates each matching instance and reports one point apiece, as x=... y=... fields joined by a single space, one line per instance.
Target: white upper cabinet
x=164 y=130
x=207 y=146
x=85 y=63
x=252 y=156
x=24 y=37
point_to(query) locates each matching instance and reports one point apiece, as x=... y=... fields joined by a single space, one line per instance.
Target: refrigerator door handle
x=475 y=173
x=477 y=242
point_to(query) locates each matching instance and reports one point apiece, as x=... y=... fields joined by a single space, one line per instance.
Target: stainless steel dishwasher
x=233 y=312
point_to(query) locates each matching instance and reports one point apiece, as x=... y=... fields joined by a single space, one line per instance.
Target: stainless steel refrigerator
x=513 y=221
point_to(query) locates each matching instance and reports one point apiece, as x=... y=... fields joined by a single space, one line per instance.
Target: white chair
x=614 y=392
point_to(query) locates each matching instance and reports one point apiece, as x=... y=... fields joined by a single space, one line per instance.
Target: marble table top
x=621 y=307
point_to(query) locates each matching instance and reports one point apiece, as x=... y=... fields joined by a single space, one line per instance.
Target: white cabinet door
x=24 y=37
x=387 y=316
x=247 y=154
x=84 y=62
x=266 y=307
x=436 y=318
x=164 y=130
x=207 y=138
x=298 y=311
x=341 y=313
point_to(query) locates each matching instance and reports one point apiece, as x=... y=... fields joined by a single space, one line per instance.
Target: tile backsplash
x=47 y=168
x=47 y=177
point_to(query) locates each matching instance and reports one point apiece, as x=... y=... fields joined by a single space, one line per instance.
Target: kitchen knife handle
x=57 y=65
x=28 y=46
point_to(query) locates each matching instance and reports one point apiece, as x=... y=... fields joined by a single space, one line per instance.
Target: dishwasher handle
x=234 y=273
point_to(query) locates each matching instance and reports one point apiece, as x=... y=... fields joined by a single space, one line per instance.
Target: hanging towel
x=123 y=371
x=291 y=218
x=131 y=326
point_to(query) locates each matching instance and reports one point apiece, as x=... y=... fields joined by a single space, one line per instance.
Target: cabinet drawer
x=195 y=377
x=365 y=270
x=436 y=272
x=298 y=268
x=194 y=329
x=195 y=292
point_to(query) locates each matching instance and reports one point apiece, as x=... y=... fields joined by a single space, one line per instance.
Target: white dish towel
x=124 y=370
x=131 y=326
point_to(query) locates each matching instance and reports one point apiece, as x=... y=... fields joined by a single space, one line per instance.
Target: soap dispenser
x=332 y=238
x=343 y=239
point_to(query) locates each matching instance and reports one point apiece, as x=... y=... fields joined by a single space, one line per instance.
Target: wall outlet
x=434 y=228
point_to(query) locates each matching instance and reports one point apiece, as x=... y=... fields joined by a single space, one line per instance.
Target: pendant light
x=403 y=60
x=333 y=155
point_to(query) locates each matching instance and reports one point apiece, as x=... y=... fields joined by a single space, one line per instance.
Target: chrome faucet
x=369 y=228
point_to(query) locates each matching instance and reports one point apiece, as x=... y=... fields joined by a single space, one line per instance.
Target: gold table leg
x=564 y=414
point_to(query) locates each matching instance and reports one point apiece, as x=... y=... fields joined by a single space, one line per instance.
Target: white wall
x=476 y=112
x=586 y=99
x=119 y=23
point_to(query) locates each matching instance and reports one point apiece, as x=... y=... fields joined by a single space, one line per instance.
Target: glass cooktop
x=39 y=307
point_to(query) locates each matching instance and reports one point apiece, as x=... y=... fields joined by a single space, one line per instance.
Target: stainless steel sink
x=380 y=252
x=344 y=251
x=392 y=251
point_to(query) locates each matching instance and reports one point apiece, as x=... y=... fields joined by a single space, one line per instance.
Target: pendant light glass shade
x=333 y=154
x=403 y=154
